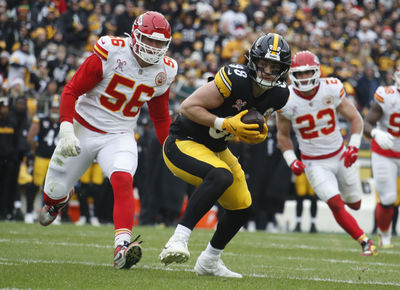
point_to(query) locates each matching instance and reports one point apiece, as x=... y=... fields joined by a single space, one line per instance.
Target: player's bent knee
x=355 y=205
x=221 y=177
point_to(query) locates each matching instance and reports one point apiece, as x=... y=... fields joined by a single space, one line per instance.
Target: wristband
x=355 y=140
x=67 y=127
x=289 y=157
x=218 y=123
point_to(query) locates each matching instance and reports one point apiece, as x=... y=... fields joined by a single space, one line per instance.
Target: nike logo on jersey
x=229 y=72
x=103 y=42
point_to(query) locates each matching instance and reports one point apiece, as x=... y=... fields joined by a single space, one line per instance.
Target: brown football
x=254 y=117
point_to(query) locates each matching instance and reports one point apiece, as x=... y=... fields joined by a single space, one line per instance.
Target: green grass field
x=71 y=257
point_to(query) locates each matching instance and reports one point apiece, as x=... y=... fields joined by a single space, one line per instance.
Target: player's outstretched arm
x=286 y=145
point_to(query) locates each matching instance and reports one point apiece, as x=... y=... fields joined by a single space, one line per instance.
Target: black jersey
x=235 y=85
x=47 y=137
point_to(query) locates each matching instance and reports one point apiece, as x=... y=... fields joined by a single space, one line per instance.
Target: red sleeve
x=86 y=77
x=159 y=114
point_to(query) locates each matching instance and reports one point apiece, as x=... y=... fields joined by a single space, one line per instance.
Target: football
x=254 y=117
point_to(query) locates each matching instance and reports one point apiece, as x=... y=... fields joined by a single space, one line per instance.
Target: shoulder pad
x=223 y=82
x=379 y=95
x=336 y=85
x=229 y=75
x=106 y=44
x=171 y=67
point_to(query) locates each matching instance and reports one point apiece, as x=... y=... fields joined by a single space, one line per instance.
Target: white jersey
x=315 y=121
x=388 y=98
x=113 y=105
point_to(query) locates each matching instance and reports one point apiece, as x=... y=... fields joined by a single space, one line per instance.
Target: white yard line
x=18 y=262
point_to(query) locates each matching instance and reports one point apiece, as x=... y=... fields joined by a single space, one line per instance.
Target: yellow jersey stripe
x=101 y=53
x=341 y=93
x=379 y=98
x=224 y=85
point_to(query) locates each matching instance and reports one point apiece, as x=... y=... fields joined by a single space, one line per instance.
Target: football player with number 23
x=98 y=114
x=312 y=112
x=196 y=148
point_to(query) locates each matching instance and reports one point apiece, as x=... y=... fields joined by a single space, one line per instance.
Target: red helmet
x=152 y=25
x=301 y=62
x=396 y=77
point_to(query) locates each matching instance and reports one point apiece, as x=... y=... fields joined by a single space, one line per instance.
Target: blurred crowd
x=43 y=42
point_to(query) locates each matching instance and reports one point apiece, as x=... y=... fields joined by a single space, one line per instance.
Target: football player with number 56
x=98 y=114
x=312 y=112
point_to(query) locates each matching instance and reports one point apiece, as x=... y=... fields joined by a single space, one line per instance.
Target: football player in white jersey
x=382 y=124
x=98 y=114
x=311 y=111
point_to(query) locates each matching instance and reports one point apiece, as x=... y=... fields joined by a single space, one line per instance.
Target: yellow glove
x=255 y=139
x=235 y=126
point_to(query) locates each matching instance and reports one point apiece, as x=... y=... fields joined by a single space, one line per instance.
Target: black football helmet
x=269 y=47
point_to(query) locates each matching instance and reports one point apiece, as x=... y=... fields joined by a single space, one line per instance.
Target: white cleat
x=176 y=250
x=81 y=222
x=385 y=240
x=49 y=213
x=28 y=219
x=213 y=266
x=94 y=221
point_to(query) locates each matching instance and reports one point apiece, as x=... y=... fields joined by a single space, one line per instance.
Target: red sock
x=343 y=218
x=383 y=217
x=122 y=184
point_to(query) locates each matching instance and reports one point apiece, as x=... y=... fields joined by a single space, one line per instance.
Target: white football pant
x=329 y=177
x=114 y=152
x=385 y=171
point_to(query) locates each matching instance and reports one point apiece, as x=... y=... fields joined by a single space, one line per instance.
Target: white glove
x=68 y=145
x=384 y=139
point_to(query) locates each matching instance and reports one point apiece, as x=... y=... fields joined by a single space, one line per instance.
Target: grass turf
x=71 y=257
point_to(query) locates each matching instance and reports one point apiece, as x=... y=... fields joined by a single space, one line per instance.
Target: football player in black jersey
x=196 y=148
x=42 y=138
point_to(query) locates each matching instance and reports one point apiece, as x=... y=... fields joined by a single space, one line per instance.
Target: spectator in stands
x=74 y=26
x=367 y=85
x=235 y=49
x=8 y=159
x=22 y=62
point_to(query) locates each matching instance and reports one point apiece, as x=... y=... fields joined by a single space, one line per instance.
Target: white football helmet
x=305 y=61
x=152 y=25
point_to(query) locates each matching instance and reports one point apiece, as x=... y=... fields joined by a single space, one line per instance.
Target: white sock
x=183 y=231
x=210 y=250
x=122 y=236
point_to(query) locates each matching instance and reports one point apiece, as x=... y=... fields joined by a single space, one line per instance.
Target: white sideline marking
x=368 y=260
x=18 y=262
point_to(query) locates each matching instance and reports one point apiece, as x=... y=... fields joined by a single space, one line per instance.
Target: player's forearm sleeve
x=86 y=77
x=159 y=114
